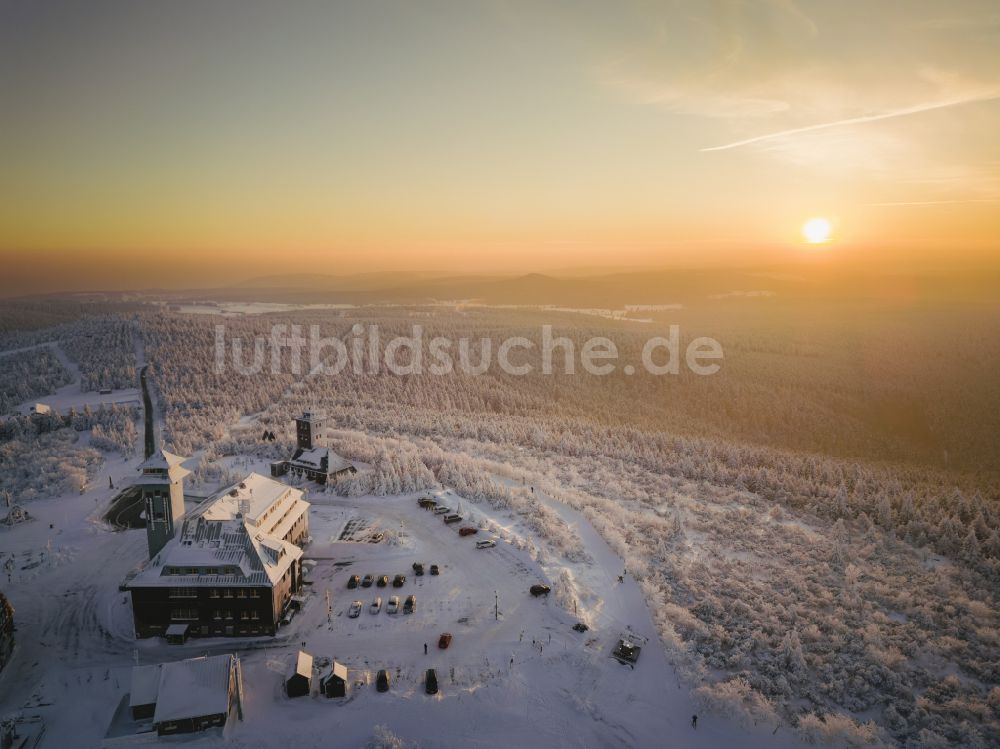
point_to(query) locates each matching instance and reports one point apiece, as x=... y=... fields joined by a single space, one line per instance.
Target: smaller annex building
x=312 y=461
x=185 y=696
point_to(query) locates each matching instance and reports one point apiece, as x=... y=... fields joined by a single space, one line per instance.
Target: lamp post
x=496 y=605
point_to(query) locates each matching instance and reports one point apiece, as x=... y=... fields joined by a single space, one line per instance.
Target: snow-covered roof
x=145 y=684
x=339 y=670
x=337 y=463
x=163 y=464
x=312 y=458
x=194 y=687
x=304 y=665
x=319 y=459
x=231 y=540
x=162 y=459
x=259 y=499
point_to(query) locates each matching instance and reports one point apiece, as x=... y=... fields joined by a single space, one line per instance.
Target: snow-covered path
x=624 y=606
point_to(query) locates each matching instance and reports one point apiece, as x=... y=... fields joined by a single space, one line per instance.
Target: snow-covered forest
x=817 y=537
x=29 y=375
x=104 y=350
x=807 y=551
x=100 y=344
x=44 y=455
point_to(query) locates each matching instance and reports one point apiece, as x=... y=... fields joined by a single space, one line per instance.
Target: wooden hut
x=334 y=684
x=299 y=682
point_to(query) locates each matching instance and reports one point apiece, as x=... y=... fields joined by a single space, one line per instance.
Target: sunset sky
x=204 y=139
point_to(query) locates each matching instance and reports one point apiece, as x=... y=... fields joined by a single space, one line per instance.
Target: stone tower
x=308 y=428
x=162 y=490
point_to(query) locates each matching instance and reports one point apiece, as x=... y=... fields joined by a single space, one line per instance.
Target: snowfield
x=524 y=677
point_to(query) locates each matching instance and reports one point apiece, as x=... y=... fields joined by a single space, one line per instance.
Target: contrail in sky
x=987 y=95
x=934 y=202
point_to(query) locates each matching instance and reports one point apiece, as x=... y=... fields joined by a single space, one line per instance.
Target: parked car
x=539 y=590
x=486 y=543
x=453 y=518
x=442 y=510
x=435 y=570
x=431 y=681
x=376 y=605
x=393 y=606
x=355 y=611
x=410 y=605
x=426 y=502
x=418 y=569
x=367 y=582
x=467 y=531
x=354 y=581
x=382 y=681
x=444 y=640
x=382 y=581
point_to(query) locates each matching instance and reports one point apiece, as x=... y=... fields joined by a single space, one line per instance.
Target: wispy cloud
x=692 y=98
x=988 y=94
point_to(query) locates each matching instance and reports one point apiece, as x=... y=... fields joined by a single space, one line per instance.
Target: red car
x=467 y=531
x=444 y=641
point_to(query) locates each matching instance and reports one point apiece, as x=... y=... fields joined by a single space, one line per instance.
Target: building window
x=241 y=593
x=229 y=613
x=244 y=615
x=213 y=593
x=184 y=615
x=183 y=592
x=217 y=614
x=255 y=615
x=254 y=593
x=227 y=593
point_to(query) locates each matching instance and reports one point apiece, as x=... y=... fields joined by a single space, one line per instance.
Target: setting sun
x=817 y=230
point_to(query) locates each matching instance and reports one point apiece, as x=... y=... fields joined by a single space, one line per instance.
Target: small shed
x=41 y=408
x=177 y=634
x=299 y=682
x=334 y=684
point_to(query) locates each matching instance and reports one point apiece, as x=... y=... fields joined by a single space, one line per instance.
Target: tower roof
x=162 y=462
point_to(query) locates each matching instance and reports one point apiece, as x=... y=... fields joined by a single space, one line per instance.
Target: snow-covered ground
x=515 y=671
x=75 y=645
